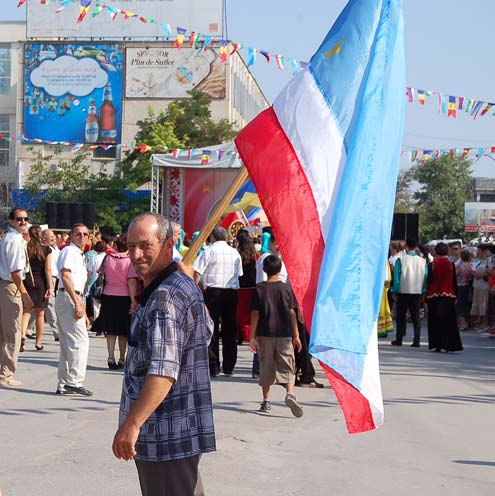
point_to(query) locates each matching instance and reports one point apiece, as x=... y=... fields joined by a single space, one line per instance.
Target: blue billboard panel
x=73 y=92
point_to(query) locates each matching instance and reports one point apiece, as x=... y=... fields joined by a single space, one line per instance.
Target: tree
x=443 y=190
x=404 y=198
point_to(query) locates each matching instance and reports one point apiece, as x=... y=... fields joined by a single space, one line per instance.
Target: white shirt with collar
x=54 y=260
x=12 y=255
x=220 y=266
x=261 y=274
x=72 y=258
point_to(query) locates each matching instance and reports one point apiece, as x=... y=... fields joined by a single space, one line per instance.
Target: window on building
x=4 y=144
x=487 y=197
x=102 y=154
x=4 y=69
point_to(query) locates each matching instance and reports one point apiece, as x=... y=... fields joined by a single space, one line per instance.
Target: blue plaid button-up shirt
x=169 y=337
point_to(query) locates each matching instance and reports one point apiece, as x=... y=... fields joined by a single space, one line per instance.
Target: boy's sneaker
x=294 y=405
x=266 y=406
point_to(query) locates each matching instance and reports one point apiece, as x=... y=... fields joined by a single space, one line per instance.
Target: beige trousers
x=10 y=328
x=74 y=343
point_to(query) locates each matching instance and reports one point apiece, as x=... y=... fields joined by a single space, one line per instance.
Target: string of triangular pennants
x=423 y=156
x=195 y=39
x=207 y=155
x=449 y=105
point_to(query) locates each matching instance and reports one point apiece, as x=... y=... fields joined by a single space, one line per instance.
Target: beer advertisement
x=73 y=92
x=166 y=72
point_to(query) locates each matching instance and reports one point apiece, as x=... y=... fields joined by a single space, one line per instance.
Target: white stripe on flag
x=318 y=143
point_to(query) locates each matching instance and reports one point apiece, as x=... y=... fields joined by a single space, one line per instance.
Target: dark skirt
x=443 y=332
x=114 y=316
x=462 y=306
x=37 y=291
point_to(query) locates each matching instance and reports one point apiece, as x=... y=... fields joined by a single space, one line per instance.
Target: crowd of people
x=451 y=285
x=168 y=321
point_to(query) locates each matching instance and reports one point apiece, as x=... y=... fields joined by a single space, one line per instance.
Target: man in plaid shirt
x=166 y=414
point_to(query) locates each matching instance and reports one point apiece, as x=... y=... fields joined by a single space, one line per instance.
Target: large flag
x=244 y=199
x=324 y=161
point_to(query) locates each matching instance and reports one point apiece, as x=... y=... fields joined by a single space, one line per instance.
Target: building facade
x=139 y=76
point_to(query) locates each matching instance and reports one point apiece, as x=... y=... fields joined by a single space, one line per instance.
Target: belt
x=79 y=293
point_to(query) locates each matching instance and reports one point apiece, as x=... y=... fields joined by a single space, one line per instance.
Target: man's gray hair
x=219 y=233
x=165 y=230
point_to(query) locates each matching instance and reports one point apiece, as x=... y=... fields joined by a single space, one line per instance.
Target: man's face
x=456 y=251
x=176 y=235
x=274 y=248
x=79 y=236
x=48 y=238
x=20 y=221
x=148 y=254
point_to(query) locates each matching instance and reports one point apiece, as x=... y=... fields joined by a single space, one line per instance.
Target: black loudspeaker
x=412 y=226
x=399 y=227
x=76 y=213
x=89 y=214
x=51 y=214
x=63 y=216
x=405 y=226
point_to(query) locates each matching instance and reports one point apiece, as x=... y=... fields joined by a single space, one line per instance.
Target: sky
x=448 y=49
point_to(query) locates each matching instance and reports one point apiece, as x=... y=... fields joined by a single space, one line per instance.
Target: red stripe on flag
x=356 y=407
x=288 y=201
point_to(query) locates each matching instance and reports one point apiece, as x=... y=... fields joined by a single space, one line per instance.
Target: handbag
x=98 y=286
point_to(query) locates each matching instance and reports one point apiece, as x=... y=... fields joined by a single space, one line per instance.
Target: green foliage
x=404 y=197
x=443 y=190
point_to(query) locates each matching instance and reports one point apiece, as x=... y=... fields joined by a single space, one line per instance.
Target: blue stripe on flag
x=352 y=272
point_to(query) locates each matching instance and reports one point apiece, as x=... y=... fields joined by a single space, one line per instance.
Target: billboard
x=166 y=72
x=203 y=16
x=479 y=217
x=73 y=92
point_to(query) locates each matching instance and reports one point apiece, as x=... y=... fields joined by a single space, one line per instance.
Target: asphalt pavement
x=438 y=437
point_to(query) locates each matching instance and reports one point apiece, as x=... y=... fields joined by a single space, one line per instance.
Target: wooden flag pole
x=215 y=216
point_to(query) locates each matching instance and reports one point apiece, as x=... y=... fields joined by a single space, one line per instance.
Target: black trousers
x=304 y=366
x=222 y=305
x=172 y=478
x=413 y=303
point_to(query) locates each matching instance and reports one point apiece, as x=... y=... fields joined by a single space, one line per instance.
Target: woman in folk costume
x=385 y=322
x=443 y=333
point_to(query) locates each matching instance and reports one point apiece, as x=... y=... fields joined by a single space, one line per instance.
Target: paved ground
x=438 y=437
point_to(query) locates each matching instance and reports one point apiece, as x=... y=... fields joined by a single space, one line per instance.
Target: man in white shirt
x=220 y=267
x=14 y=297
x=48 y=239
x=273 y=250
x=71 y=315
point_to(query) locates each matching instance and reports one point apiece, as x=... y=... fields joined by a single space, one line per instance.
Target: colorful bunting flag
x=280 y=61
x=181 y=32
x=266 y=55
x=83 y=10
x=223 y=51
x=460 y=102
x=251 y=56
x=293 y=63
x=486 y=109
x=421 y=97
x=21 y=2
x=220 y=154
x=192 y=39
x=410 y=94
x=207 y=41
x=205 y=157
x=98 y=9
x=476 y=109
x=235 y=48
x=176 y=152
x=452 y=108
x=167 y=29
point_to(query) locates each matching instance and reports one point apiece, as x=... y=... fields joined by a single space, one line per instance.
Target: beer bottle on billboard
x=108 y=117
x=92 y=129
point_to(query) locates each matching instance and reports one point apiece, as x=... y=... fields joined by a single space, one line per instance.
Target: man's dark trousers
x=222 y=305
x=413 y=303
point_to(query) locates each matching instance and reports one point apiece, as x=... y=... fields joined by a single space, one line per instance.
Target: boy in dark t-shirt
x=274 y=334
